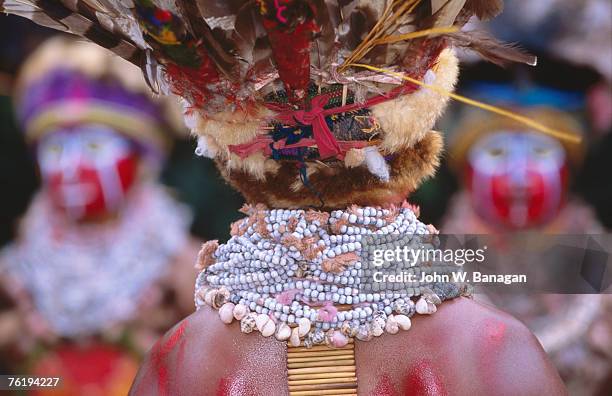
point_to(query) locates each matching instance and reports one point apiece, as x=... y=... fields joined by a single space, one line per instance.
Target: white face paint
x=517 y=178
x=87 y=168
x=511 y=152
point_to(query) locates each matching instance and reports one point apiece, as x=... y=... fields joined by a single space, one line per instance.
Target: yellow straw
x=493 y=109
x=413 y=35
x=385 y=22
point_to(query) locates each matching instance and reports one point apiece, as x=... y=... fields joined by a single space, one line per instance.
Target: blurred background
x=573 y=41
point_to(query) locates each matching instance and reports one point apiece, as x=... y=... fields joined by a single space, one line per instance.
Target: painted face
x=87 y=169
x=517 y=180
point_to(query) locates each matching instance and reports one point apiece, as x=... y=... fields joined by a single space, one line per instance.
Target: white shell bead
x=247 y=324
x=261 y=320
x=240 y=311
x=294 y=339
x=391 y=327
x=421 y=307
x=268 y=329
x=303 y=326
x=283 y=332
x=403 y=321
x=226 y=313
x=208 y=297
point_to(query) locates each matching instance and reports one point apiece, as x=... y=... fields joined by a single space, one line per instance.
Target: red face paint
x=517 y=180
x=85 y=191
x=423 y=379
x=87 y=170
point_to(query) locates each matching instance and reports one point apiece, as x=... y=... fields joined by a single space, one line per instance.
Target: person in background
x=102 y=264
x=518 y=181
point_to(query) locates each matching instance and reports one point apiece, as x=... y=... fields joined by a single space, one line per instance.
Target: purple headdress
x=53 y=93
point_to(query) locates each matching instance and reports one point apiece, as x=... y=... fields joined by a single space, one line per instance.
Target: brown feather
x=56 y=15
x=218 y=8
x=225 y=62
x=357 y=25
x=448 y=13
x=328 y=17
x=247 y=30
x=491 y=49
x=485 y=9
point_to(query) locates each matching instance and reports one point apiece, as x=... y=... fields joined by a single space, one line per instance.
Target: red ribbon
x=262 y=143
x=315 y=117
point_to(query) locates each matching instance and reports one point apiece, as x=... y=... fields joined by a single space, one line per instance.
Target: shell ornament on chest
x=320 y=113
x=93 y=259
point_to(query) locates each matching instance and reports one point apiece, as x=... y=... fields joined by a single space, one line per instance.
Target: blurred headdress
x=474 y=126
x=66 y=81
x=299 y=102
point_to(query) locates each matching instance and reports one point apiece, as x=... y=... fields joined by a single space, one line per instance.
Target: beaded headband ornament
x=301 y=103
x=66 y=82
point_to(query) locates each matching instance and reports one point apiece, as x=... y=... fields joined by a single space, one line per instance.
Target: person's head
x=94 y=129
x=87 y=169
x=516 y=178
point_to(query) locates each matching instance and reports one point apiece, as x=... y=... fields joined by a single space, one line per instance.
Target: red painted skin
x=423 y=378
x=173 y=343
x=466 y=348
x=384 y=387
x=161 y=350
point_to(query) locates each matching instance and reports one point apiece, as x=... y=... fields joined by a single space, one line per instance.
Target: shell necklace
x=85 y=278
x=299 y=275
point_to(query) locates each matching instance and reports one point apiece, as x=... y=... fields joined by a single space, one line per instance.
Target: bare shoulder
x=202 y=353
x=465 y=347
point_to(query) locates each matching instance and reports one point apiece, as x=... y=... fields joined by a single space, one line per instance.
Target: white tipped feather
x=376 y=163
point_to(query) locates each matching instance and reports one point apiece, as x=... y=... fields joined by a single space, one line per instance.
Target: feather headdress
x=299 y=102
